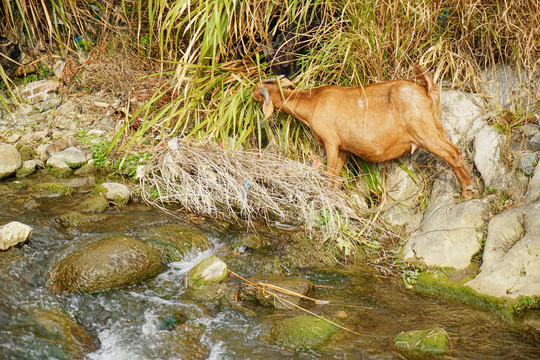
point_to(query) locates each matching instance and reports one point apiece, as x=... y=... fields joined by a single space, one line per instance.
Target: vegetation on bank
x=186 y=69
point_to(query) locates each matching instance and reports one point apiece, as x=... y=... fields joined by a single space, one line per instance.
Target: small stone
x=211 y=270
x=14 y=138
x=10 y=160
x=14 y=233
x=28 y=168
x=116 y=193
x=535 y=142
x=526 y=162
x=72 y=156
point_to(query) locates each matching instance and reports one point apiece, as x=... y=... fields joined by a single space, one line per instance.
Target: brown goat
x=379 y=122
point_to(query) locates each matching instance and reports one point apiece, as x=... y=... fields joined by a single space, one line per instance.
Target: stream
x=160 y=319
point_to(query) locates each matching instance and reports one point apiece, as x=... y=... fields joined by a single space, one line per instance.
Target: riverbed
x=160 y=319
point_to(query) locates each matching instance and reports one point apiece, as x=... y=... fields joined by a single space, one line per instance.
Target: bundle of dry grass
x=209 y=180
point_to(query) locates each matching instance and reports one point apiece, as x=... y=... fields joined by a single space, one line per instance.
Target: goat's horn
x=275 y=78
x=264 y=93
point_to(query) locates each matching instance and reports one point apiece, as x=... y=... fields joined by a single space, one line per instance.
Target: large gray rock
x=450 y=232
x=14 y=233
x=72 y=156
x=508 y=87
x=10 y=160
x=462 y=115
x=511 y=265
x=488 y=161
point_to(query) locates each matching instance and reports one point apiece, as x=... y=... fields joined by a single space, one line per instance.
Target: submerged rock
x=175 y=241
x=105 y=264
x=95 y=204
x=50 y=189
x=431 y=341
x=116 y=193
x=294 y=284
x=10 y=160
x=14 y=233
x=73 y=219
x=302 y=332
x=62 y=336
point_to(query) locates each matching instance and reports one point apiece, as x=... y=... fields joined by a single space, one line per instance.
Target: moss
x=95 y=204
x=431 y=341
x=27 y=153
x=60 y=171
x=440 y=284
x=48 y=188
x=24 y=172
x=302 y=332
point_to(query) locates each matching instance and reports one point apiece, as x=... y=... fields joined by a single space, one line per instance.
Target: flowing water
x=159 y=319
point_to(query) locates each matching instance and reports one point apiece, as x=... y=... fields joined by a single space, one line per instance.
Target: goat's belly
x=381 y=153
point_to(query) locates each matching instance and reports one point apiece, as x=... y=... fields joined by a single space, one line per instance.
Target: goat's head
x=264 y=92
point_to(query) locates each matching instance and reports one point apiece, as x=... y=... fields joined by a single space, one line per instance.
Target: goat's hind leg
x=335 y=159
x=445 y=149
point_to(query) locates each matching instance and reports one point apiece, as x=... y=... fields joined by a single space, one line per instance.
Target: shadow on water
x=159 y=319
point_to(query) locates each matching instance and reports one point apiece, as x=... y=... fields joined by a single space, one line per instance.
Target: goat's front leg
x=335 y=159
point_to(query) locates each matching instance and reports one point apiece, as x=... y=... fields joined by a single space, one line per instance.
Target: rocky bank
x=500 y=224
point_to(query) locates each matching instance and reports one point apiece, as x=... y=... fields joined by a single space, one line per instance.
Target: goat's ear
x=268 y=109
x=286 y=83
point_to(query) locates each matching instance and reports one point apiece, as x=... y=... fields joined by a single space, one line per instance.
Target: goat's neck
x=295 y=103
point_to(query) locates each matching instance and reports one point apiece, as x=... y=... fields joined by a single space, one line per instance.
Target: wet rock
x=533 y=191
x=10 y=160
x=450 y=233
x=14 y=233
x=50 y=189
x=175 y=241
x=105 y=264
x=71 y=156
x=28 y=168
x=95 y=204
x=60 y=170
x=527 y=162
x=210 y=271
x=488 y=161
x=75 y=219
x=302 y=332
x=118 y=194
x=61 y=336
x=431 y=341
x=512 y=254
x=273 y=284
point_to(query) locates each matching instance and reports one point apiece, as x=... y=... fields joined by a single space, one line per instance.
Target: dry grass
x=208 y=180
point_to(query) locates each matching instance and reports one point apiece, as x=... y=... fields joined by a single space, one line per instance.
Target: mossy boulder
x=302 y=332
x=60 y=170
x=175 y=241
x=431 y=341
x=10 y=160
x=73 y=219
x=27 y=153
x=94 y=204
x=60 y=336
x=28 y=168
x=105 y=264
x=50 y=189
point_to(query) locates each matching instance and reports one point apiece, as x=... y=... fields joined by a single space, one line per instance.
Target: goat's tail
x=431 y=88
